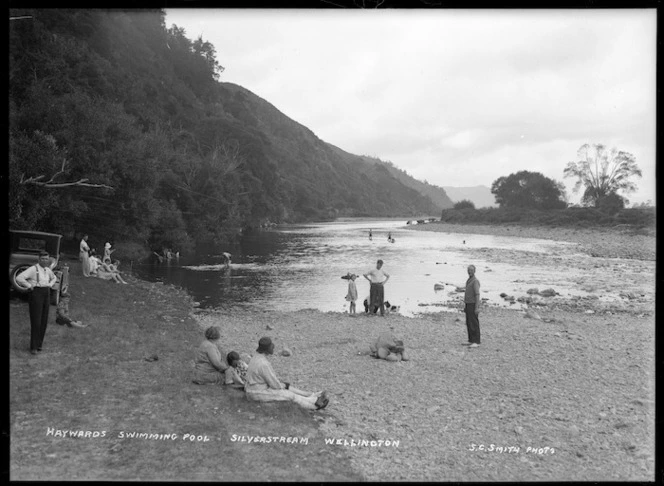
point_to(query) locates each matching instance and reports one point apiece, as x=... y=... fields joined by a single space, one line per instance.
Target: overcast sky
x=454 y=97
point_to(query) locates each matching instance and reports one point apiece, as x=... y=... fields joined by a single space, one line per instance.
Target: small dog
x=389 y=308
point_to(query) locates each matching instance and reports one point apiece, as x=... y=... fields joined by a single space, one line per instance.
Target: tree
x=611 y=203
x=602 y=172
x=464 y=204
x=207 y=50
x=528 y=190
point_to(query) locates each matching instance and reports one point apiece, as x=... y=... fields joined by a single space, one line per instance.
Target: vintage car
x=24 y=248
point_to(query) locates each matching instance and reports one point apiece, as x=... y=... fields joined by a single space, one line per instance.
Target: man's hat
x=264 y=344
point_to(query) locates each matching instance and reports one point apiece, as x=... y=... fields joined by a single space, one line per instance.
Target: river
x=300 y=266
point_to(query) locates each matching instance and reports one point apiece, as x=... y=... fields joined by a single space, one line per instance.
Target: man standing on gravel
x=378 y=279
x=472 y=300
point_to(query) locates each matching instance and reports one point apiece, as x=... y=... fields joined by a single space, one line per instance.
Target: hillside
x=437 y=194
x=481 y=196
x=124 y=129
x=328 y=181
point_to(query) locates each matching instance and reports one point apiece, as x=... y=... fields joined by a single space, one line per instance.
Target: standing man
x=472 y=300
x=39 y=279
x=378 y=279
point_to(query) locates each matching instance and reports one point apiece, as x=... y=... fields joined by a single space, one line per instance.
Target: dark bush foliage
x=464 y=204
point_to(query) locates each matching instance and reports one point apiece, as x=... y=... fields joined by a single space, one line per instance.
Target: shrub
x=464 y=204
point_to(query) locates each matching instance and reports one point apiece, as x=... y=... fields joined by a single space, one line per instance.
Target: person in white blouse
x=93 y=263
x=84 y=255
x=107 y=251
x=39 y=279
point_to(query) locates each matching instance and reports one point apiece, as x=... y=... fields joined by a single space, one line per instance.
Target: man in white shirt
x=262 y=384
x=378 y=279
x=39 y=279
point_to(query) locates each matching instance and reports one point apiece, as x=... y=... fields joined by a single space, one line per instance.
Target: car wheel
x=12 y=278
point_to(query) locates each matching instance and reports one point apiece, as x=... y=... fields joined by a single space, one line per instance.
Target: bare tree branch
x=37 y=181
x=51 y=185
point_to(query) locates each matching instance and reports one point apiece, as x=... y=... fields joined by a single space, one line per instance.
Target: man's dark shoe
x=33 y=351
x=322 y=401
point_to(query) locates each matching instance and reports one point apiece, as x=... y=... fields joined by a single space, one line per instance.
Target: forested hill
x=123 y=129
x=437 y=194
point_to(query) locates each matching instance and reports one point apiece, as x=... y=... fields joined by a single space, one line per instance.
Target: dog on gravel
x=390 y=309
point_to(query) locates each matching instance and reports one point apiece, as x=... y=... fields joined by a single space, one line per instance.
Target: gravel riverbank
x=580 y=385
x=615 y=242
x=562 y=392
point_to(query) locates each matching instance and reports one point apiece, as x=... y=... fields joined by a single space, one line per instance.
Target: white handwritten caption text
x=540 y=451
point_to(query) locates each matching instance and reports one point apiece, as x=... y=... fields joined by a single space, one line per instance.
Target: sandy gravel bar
x=616 y=242
x=580 y=385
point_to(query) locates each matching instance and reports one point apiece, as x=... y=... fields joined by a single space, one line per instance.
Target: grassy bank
x=97 y=380
x=581 y=385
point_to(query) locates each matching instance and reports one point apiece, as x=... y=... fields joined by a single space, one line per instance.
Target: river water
x=300 y=266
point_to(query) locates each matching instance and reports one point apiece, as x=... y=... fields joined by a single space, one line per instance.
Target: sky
x=454 y=97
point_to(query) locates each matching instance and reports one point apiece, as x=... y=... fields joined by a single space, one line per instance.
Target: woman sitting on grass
x=93 y=263
x=388 y=348
x=211 y=367
x=262 y=384
x=108 y=271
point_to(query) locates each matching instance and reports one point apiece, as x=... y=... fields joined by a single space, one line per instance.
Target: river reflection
x=300 y=266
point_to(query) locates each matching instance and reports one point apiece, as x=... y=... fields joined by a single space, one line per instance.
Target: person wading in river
x=378 y=279
x=472 y=300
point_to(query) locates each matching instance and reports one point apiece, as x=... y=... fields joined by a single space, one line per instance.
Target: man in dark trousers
x=378 y=279
x=39 y=279
x=472 y=300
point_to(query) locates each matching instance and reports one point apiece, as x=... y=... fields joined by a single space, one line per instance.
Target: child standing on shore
x=351 y=296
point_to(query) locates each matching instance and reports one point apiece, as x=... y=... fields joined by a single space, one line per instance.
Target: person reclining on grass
x=262 y=384
x=388 y=348
x=210 y=366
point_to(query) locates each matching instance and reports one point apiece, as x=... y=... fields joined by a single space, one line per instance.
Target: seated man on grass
x=62 y=316
x=262 y=384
